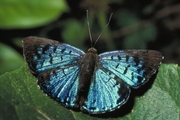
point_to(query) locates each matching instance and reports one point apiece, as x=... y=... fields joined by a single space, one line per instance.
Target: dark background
x=134 y=25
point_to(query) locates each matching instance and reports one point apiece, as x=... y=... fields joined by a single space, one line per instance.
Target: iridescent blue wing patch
x=134 y=67
x=43 y=54
x=56 y=67
x=61 y=84
x=107 y=92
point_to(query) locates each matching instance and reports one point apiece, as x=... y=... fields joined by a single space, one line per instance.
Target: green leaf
x=23 y=98
x=29 y=13
x=20 y=98
x=162 y=101
x=9 y=59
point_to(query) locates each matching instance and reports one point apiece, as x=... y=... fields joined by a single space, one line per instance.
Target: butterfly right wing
x=115 y=73
x=56 y=66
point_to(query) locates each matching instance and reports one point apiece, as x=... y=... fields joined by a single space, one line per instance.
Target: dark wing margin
x=134 y=67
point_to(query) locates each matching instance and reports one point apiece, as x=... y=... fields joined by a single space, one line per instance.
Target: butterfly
x=93 y=83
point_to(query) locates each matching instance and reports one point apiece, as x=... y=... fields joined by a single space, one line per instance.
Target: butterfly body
x=88 y=64
x=94 y=83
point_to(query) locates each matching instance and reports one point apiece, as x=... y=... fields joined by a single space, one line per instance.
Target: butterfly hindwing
x=61 y=84
x=134 y=67
x=106 y=93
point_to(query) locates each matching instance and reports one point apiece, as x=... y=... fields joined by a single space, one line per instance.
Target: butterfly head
x=92 y=50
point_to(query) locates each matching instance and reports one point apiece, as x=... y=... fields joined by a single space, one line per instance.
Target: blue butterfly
x=94 y=83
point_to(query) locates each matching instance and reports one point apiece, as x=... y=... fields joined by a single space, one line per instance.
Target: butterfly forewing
x=134 y=67
x=43 y=54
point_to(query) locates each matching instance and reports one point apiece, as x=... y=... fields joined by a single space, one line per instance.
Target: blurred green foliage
x=74 y=32
x=141 y=36
x=9 y=59
x=29 y=13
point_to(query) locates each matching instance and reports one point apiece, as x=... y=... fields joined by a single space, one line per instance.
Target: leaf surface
x=21 y=98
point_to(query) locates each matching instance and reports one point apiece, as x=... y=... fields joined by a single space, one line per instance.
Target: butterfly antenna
x=89 y=28
x=104 y=28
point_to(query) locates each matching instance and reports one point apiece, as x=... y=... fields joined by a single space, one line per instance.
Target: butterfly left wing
x=56 y=66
